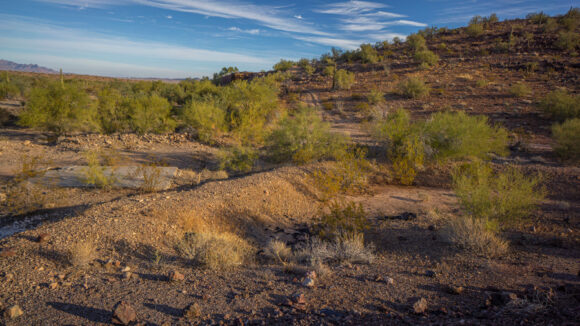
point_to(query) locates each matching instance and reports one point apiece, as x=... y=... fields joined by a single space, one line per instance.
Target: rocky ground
x=417 y=276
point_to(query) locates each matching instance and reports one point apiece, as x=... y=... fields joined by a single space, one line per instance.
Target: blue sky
x=192 y=38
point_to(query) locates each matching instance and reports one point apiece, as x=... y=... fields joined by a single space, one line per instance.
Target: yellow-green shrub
x=503 y=196
x=561 y=105
x=303 y=138
x=238 y=158
x=567 y=137
x=343 y=79
x=520 y=90
x=208 y=120
x=344 y=220
x=413 y=87
x=426 y=58
x=113 y=111
x=59 y=109
x=416 y=42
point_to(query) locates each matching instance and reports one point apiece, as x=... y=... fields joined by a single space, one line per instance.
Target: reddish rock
x=175 y=276
x=420 y=306
x=5 y=253
x=43 y=237
x=123 y=313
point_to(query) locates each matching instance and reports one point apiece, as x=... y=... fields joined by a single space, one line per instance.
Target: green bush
x=568 y=41
x=404 y=143
x=59 y=109
x=224 y=72
x=151 y=114
x=376 y=97
x=456 y=135
x=283 y=65
x=113 y=111
x=538 y=18
x=474 y=28
x=343 y=79
x=416 y=42
x=238 y=158
x=344 y=221
x=413 y=87
x=206 y=118
x=520 y=90
x=328 y=71
x=368 y=54
x=561 y=105
x=8 y=90
x=567 y=137
x=305 y=64
x=304 y=138
x=571 y=19
x=502 y=196
x=426 y=58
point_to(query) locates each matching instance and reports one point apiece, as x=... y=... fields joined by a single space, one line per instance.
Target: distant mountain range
x=13 y=66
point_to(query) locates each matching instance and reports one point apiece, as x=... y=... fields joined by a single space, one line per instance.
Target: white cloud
x=169 y=17
x=336 y=42
x=351 y=7
x=298 y=17
x=246 y=31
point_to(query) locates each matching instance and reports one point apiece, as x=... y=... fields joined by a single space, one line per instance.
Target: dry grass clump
x=474 y=235
x=210 y=243
x=278 y=251
x=81 y=253
x=350 y=249
x=215 y=250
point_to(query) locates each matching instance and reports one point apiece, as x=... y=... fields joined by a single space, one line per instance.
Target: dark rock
x=431 y=227
x=455 y=289
x=123 y=313
x=430 y=274
x=500 y=298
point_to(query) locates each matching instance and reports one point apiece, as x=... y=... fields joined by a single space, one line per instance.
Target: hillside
x=419 y=182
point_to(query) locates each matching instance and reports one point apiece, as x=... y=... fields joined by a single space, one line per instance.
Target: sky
x=192 y=38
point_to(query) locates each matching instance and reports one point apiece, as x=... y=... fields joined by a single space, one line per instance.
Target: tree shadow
x=165 y=309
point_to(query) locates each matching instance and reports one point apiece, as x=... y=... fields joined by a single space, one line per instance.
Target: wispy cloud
x=22 y=35
x=351 y=7
x=337 y=42
x=246 y=31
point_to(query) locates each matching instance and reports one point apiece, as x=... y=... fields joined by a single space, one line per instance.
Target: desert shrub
x=303 y=138
x=349 y=173
x=283 y=65
x=426 y=58
x=413 y=87
x=568 y=41
x=491 y=19
x=481 y=83
x=376 y=97
x=278 y=251
x=150 y=114
x=368 y=54
x=538 y=18
x=342 y=250
x=59 y=109
x=81 y=253
x=8 y=90
x=456 y=135
x=567 y=137
x=561 y=105
x=149 y=175
x=502 y=196
x=215 y=250
x=520 y=90
x=474 y=234
x=416 y=42
x=343 y=79
x=224 y=72
x=207 y=118
x=97 y=174
x=475 y=27
x=404 y=143
x=571 y=19
x=238 y=158
x=329 y=70
x=249 y=106
x=305 y=64
x=550 y=26
x=113 y=111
